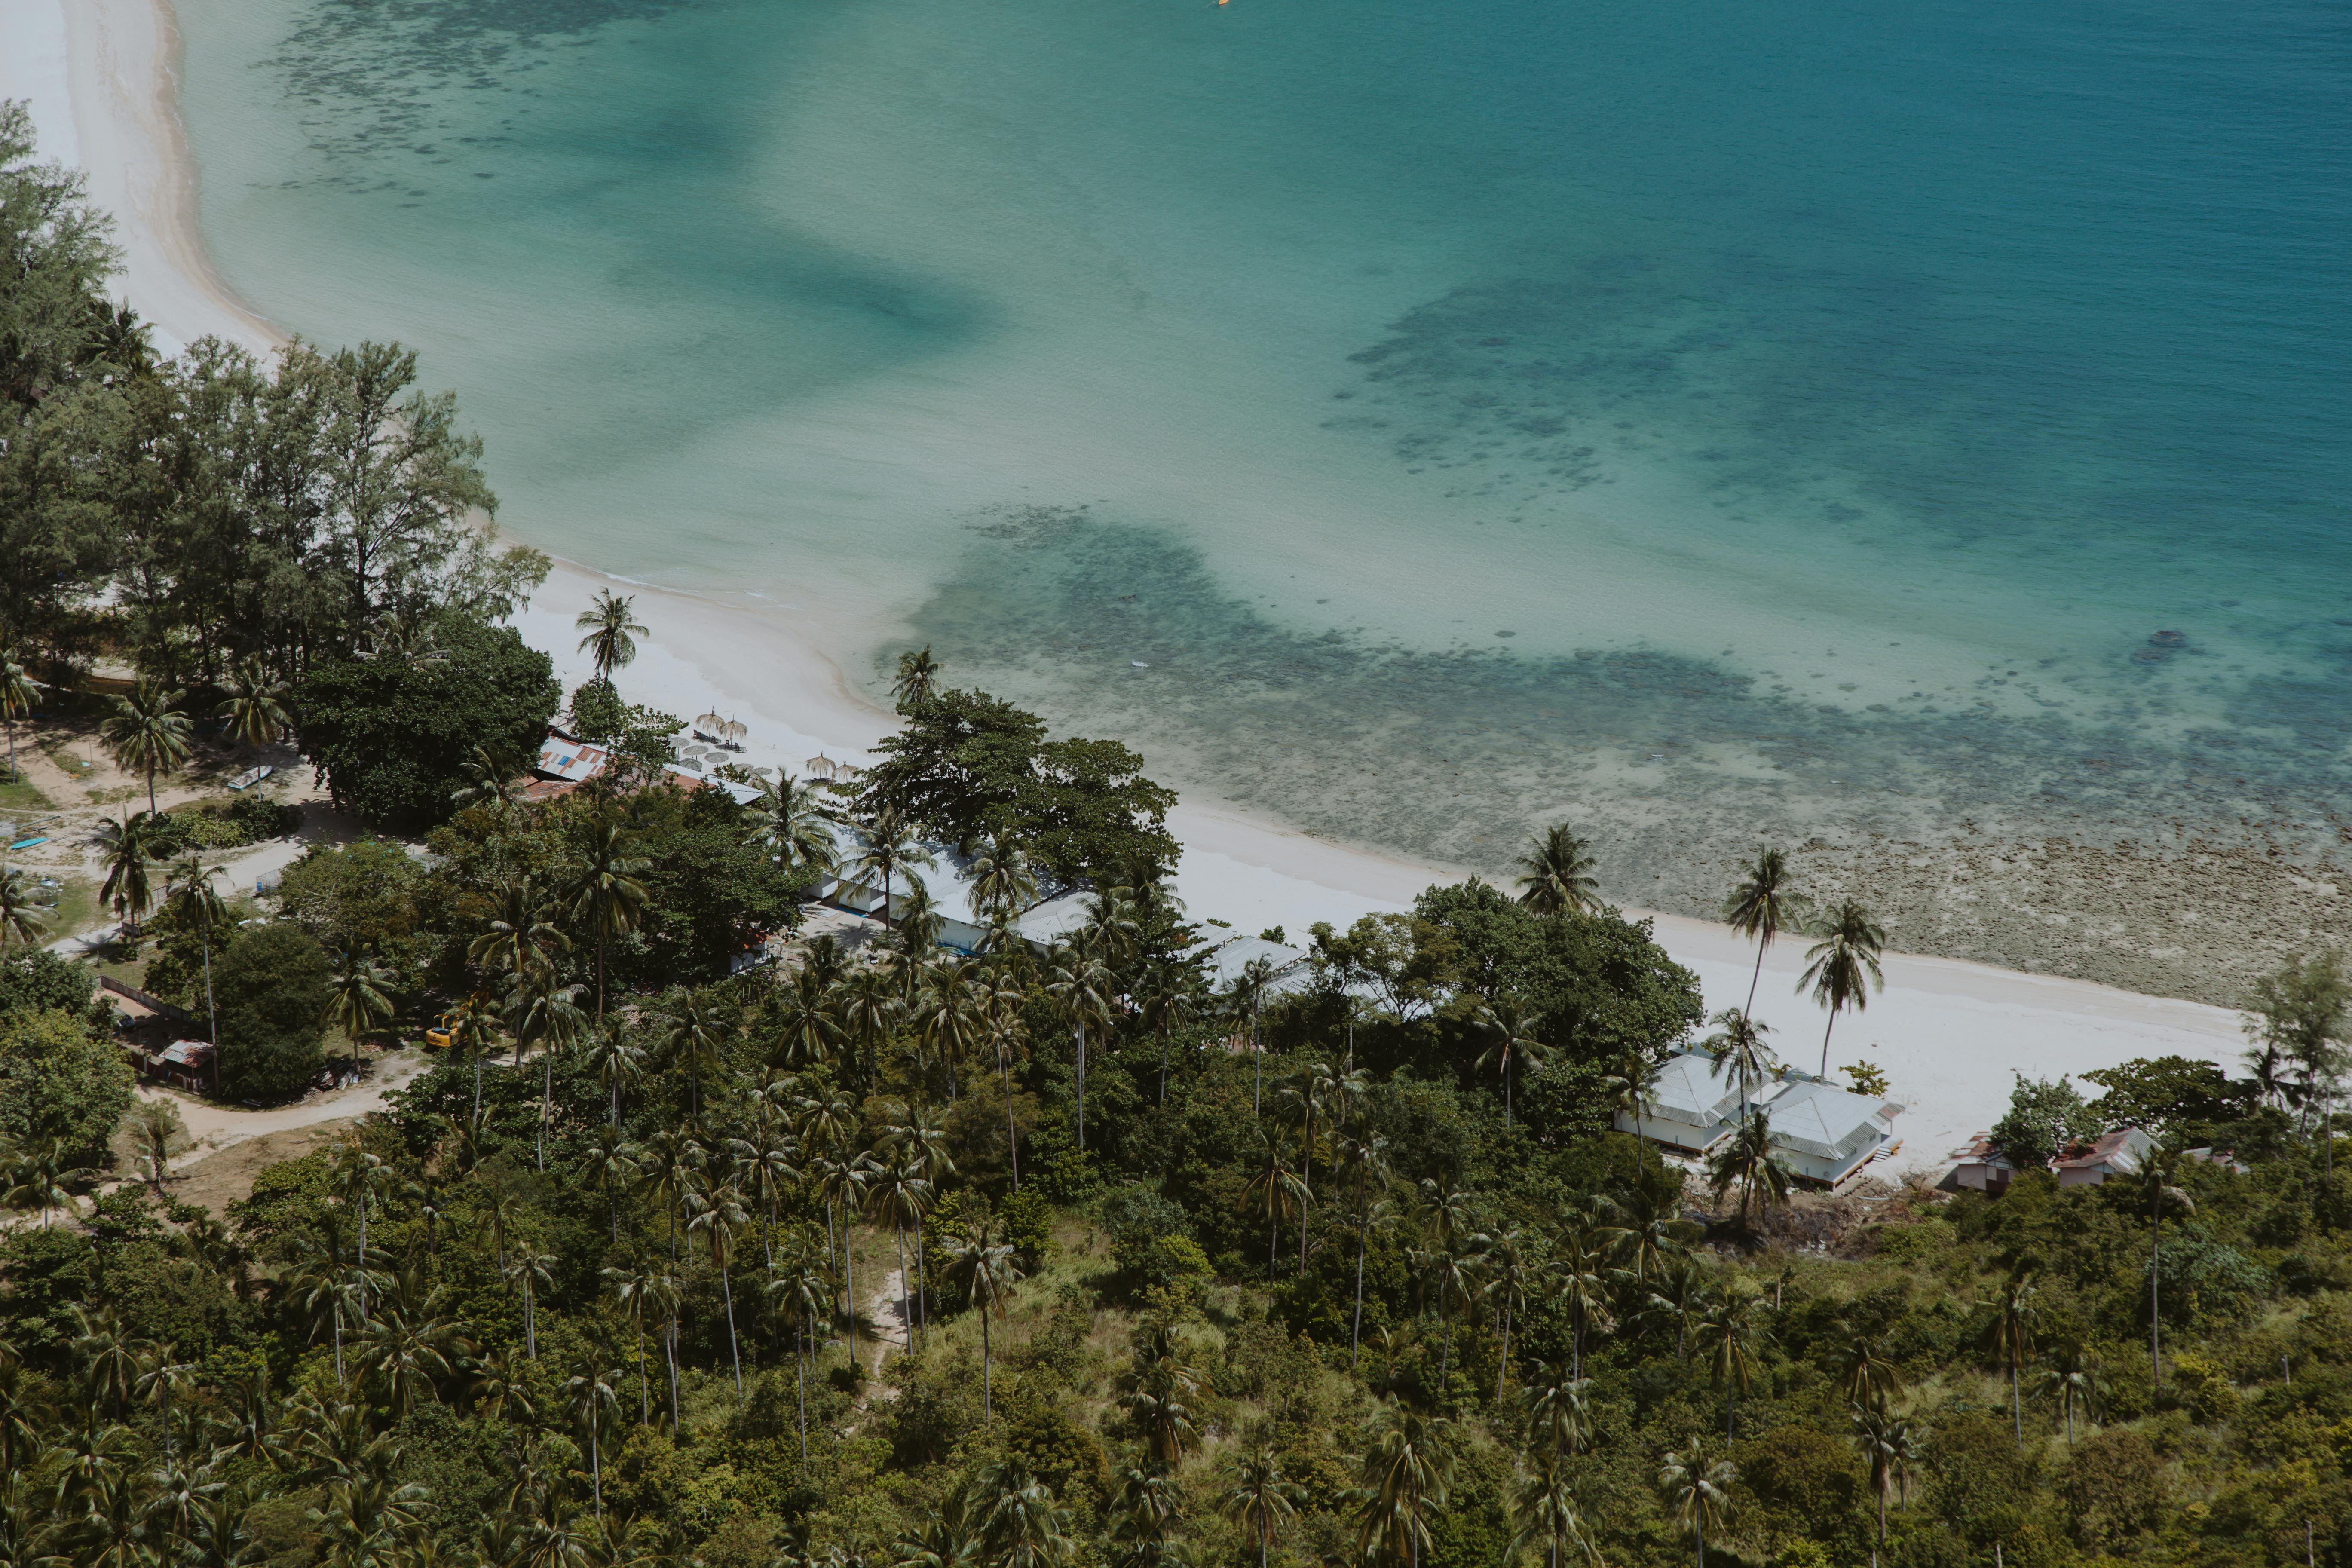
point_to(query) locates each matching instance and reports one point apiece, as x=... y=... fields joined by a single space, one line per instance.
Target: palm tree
x=1083 y=988
x=1257 y=1501
x=604 y=892
x=1886 y=1444
x=2156 y=1181
x=1510 y=1033
x=36 y=1174
x=1553 y=1416
x=891 y=851
x=128 y=847
x=1249 y=989
x=696 y=1040
x=1364 y=1165
x=1731 y=1333
x=1018 y=1522
x=147 y=732
x=1510 y=1283
x=530 y=1271
x=1544 y=1515
x=357 y=1002
x=609 y=1165
x=1748 y=1158
x=1406 y=1478
x=2010 y=1315
x=1275 y=1190
x=1556 y=874
x=1760 y=908
x=984 y=1263
x=617 y=1063
x=19 y=697
x=612 y=633
x=1871 y=1377
x=1002 y=880
x=20 y=925
x=1577 y=1285
x=1738 y=1044
x=189 y=895
x=521 y=934
x=1842 y=967
x=495 y=777
x=795 y=821
x=1698 y=1493
x=919 y=675
x=254 y=706
x=588 y=1394
x=1632 y=1074
x=2074 y=1382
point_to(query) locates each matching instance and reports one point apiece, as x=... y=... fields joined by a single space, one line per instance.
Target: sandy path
x=217 y=1127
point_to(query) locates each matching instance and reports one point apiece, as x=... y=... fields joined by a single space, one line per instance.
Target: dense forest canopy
x=1045 y=1255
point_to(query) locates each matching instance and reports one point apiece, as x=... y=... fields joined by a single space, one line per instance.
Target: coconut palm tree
x=1544 y=1515
x=612 y=632
x=495 y=777
x=1886 y=1444
x=1018 y=1523
x=18 y=923
x=129 y=846
x=2073 y=1383
x=1256 y=1500
x=1083 y=989
x=918 y=676
x=588 y=1396
x=1871 y=1377
x=696 y=1040
x=530 y=1271
x=1003 y=882
x=1748 y=1158
x=1406 y=1478
x=18 y=697
x=255 y=705
x=522 y=936
x=1697 y=1493
x=985 y=1264
x=190 y=897
x=1843 y=967
x=1578 y=1284
x=795 y=820
x=1760 y=908
x=2156 y=1182
x=1509 y=1031
x=2012 y=1314
x=358 y=1002
x=1275 y=1190
x=1731 y=1333
x=891 y=851
x=1633 y=1073
x=147 y=732
x=604 y=893
x=1556 y=874
x=1739 y=1047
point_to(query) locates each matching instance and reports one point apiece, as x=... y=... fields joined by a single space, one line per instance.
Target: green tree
x=2043 y=1120
x=254 y=706
x=1257 y=1501
x=19 y=697
x=192 y=899
x=147 y=733
x=982 y=1262
x=1556 y=874
x=918 y=677
x=2012 y=1315
x=272 y=986
x=58 y=1080
x=129 y=848
x=358 y=1001
x=1760 y=908
x=605 y=893
x=1407 y=1477
x=1698 y=1494
x=18 y=923
x=612 y=632
x=394 y=734
x=1843 y=967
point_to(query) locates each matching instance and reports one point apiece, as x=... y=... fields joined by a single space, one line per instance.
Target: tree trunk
x=1011 y=1134
x=1356 y=1332
x=727 y=1286
x=1081 y=1032
x=800 y=1373
x=987 y=1405
x=1825 y=1042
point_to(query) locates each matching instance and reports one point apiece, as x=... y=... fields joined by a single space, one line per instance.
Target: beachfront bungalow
x=1688 y=1109
x=1823 y=1133
x=2123 y=1153
x=1979 y=1167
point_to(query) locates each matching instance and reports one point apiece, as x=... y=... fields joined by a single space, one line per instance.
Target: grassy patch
x=21 y=794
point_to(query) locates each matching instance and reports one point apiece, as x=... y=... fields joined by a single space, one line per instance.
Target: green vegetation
x=270 y=985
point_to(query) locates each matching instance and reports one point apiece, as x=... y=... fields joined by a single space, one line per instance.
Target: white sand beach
x=101 y=77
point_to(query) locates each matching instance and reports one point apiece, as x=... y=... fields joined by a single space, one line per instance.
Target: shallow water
x=1703 y=420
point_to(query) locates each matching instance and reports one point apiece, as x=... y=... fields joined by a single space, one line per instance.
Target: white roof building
x=1821 y=1132
x=1688 y=1108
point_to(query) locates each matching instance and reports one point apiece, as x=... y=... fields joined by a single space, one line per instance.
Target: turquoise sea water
x=1422 y=420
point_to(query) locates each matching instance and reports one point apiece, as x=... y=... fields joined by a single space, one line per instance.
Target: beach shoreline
x=102 y=75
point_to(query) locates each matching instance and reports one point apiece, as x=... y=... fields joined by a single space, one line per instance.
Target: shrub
x=2043 y=1119
x=271 y=986
x=1151 y=1240
x=2114 y=1487
x=41 y=982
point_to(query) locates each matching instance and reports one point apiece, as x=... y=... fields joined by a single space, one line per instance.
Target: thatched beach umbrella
x=820 y=766
x=732 y=732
